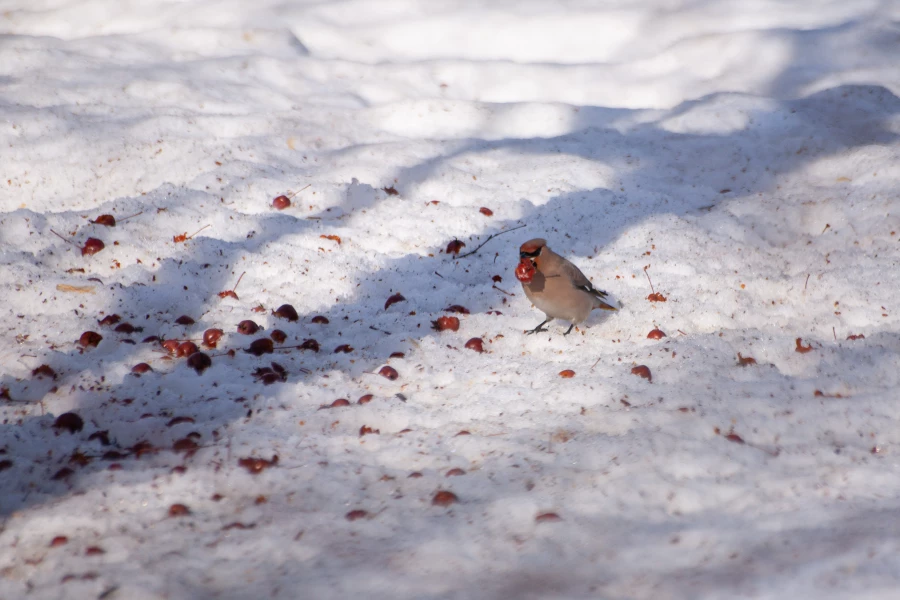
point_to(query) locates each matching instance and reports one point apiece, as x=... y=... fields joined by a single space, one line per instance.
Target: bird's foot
x=569 y=330
x=539 y=328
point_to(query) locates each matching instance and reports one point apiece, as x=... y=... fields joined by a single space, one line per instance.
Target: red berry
x=525 y=271
x=444 y=498
x=445 y=323
x=70 y=421
x=179 y=510
x=186 y=349
x=310 y=344
x=211 y=337
x=247 y=327
x=108 y=220
x=89 y=339
x=642 y=371
x=476 y=344
x=199 y=362
x=389 y=373
x=92 y=246
x=286 y=311
x=398 y=297
x=455 y=246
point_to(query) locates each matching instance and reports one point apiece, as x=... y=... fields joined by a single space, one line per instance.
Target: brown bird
x=556 y=286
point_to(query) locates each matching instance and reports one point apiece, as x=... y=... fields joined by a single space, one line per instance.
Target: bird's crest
x=532 y=248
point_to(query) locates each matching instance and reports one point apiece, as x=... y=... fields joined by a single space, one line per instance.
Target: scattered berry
x=801 y=348
x=286 y=311
x=455 y=246
x=444 y=498
x=745 y=361
x=261 y=346
x=179 y=510
x=310 y=344
x=398 y=297
x=70 y=421
x=247 y=327
x=43 y=371
x=211 y=337
x=109 y=320
x=476 y=344
x=389 y=373
x=107 y=220
x=185 y=349
x=444 y=323
x=549 y=517
x=257 y=465
x=92 y=246
x=199 y=362
x=642 y=371
x=90 y=339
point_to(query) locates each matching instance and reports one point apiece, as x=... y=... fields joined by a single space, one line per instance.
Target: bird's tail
x=598 y=303
x=600 y=300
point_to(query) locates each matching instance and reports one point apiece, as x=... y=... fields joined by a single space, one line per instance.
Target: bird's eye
x=534 y=254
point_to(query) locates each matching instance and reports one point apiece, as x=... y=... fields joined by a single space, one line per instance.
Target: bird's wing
x=580 y=281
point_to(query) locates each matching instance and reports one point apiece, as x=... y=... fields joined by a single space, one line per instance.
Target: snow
x=742 y=156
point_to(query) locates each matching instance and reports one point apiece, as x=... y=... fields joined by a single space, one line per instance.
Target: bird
x=556 y=286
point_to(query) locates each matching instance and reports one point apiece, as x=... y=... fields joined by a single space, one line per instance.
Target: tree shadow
x=643 y=157
x=121 y=410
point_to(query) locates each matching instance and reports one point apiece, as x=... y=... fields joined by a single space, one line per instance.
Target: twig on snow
x=63 y=238
x=492 y=236
x=648 y=278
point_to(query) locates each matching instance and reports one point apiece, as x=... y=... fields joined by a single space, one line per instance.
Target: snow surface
x=743 y=153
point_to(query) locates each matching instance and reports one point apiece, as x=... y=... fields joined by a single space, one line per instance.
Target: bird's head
x=529 y=259
x=532 y=248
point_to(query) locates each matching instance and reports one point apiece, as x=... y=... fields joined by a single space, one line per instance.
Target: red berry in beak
x=525 y=271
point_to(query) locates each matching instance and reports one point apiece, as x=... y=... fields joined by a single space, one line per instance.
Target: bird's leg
x=540 y=327
x=569 y=330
